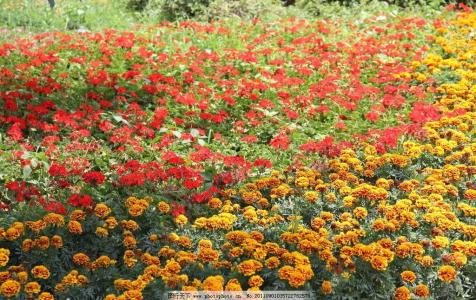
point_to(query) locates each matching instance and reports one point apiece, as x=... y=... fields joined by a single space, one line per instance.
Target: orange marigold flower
x=379 y=263
x=22 y=276
x=326 y=287
x=46 y=296
x=181 y=220
x=81 y=259
x=43 y=242
x=111 y=222
x=101 y=210
x=163 y=207
x=233 y=285
x=208 y=255
x=272 y=262
x=402 y=293
x=4 y=257
x=214 y=203
x=40 y=272
x=27 y=244
x=213 y=283
x=422 y=290
x=32 y=287
x=54 y=219
x=447 y=273
x=249 y=267
x=78 y=215
x=75 y=227
x=10 y=288
x=470 y=194
x=408 y=276
x=57 y=241
x=133 y=295
x=255 y=281
x=102 y=232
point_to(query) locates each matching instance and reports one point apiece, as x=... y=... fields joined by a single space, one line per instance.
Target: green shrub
x=244 y=9
x=34 y=15
x=176 y=10
x=137 y=5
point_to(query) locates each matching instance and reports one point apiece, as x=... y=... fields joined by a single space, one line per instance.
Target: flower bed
x=140 y=163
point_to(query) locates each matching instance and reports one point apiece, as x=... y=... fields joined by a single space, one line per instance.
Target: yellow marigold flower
x=426 y=261
x=263 y=202
x=10 y=288
x=249 y=267
x=326 y=287
x=54 y=219
x=181 y=220
x=13 y=233
x=40 y=272
x=255 y=281
x=22 y=276
x=440 y=242
x=103 y=261
x=75 y=227
x=470 y=194
x=360 y=212
x=27 y=244
x=129 y=242
x=297 y=278
x=46 y=296
x=57 y=241
x=233 y=285
x=208 y=255
x=4 y=276
x=78 y=215
x=402 y=293
x=136 y=210
x=81 y=259
x=153 y=238
x=4 y=257
x=101 y=210
x=302 y=182
x=102 y=232
x=133 y=295
x=32 y=287
x=43 y=242
x=214 y=203
x=110 y=297
x=111 y=222
x=130 y=225
x=163 y=207
x=129 y=258
x=408 y=276
x=205 y=244
x=36 y=226
x=422 y=291
x=379 y=263
x=272 y=262
x=459 y=259
x=311 y=196
x=213 y=283
x=82 y=280
x=447 y=273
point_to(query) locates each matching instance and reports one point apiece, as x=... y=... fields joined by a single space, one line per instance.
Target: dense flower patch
x=183 y=111
x=121 y=137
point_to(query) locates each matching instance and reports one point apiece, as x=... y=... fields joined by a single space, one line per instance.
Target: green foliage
x=206 y=10
x=37 y=16
x=176 y=10
x=244 y=9
x=137 y=5
x=353 y=8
